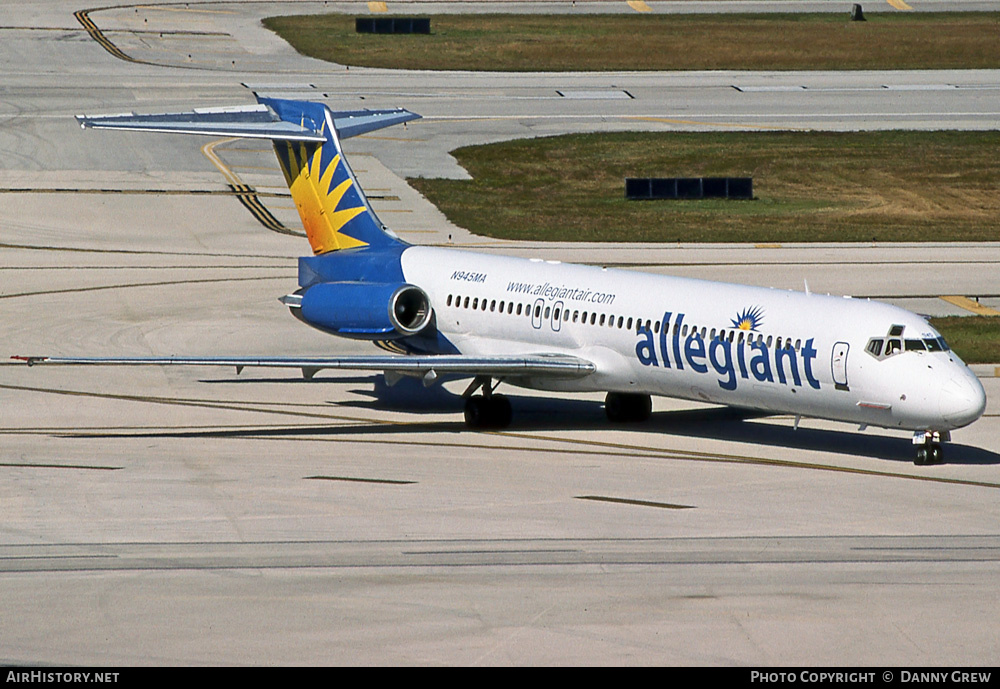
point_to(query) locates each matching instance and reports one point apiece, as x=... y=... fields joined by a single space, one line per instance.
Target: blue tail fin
x=334 y=211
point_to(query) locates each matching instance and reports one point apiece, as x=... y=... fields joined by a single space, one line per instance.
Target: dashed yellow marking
x=973 y=306
x=395 y=482
x=630 y=501
x=767 y=246
x=377 y=7
x=899 y=4
x=639 y=6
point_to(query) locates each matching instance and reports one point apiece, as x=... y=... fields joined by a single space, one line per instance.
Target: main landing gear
x=486 y=411
x=928 y=444
x=624 y=407
x=489 y=411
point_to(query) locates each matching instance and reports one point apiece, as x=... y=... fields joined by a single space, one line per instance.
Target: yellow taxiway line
x=639 y=6
x=970 y=305
x=375 y=7
x=246 y=195
x=209 y=152
x=899 y=4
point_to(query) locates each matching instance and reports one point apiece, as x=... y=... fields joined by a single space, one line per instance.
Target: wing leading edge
x=427 y=367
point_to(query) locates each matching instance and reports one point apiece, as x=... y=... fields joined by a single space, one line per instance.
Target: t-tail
x=334 y=211
x=306 y=138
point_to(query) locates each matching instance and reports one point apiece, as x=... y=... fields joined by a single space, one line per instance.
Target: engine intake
x=409 y=309
x=370 y=311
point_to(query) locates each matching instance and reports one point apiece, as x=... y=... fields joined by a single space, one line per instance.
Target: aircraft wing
x=554 y=365
x=249 y=121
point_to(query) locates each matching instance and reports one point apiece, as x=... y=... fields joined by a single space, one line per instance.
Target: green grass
x=974 y=338
x=809 y=187
x=659 y=42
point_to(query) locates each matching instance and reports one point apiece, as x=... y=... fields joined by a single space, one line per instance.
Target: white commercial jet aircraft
x=571 y=328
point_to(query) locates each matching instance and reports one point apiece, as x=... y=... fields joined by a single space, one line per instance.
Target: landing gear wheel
x=475 y=411
x=622 y=407
x=487 y=412
x=930 y=453
x=500 y=413
x=928 y=444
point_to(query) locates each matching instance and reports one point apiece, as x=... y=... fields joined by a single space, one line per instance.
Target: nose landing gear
x=928 y=444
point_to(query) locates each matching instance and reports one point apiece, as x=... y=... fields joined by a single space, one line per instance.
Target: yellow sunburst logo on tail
x=319 y=190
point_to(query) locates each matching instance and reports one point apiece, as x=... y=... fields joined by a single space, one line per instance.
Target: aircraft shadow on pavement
x=738 y=427
x=720 y=423
x=554 y=413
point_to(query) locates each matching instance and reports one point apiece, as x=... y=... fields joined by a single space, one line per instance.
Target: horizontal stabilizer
x=249 y=121
x=355 y=122
x=554 y=365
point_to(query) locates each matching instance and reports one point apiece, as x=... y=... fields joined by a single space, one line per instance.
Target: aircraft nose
x=962 y=400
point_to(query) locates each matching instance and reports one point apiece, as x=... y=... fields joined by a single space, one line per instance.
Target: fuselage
x=769 y=349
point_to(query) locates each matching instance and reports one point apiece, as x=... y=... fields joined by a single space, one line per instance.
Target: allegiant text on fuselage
x=753 y=359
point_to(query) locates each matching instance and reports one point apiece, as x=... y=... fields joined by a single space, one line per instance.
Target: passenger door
x=557 y=316
x=838 y=363
x=536 y=313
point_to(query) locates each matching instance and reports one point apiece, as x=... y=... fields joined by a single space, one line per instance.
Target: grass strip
x=974 y=338
x=891 y=186
x=778 y=41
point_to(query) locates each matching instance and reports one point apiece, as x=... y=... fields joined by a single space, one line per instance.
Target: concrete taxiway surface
x=175 y=516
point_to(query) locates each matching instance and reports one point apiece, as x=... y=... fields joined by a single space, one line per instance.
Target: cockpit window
x=896 y=330
x=883 y=348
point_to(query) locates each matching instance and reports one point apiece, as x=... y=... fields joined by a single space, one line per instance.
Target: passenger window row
x=742 y=337
x=556 y=313
x=477 y=304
